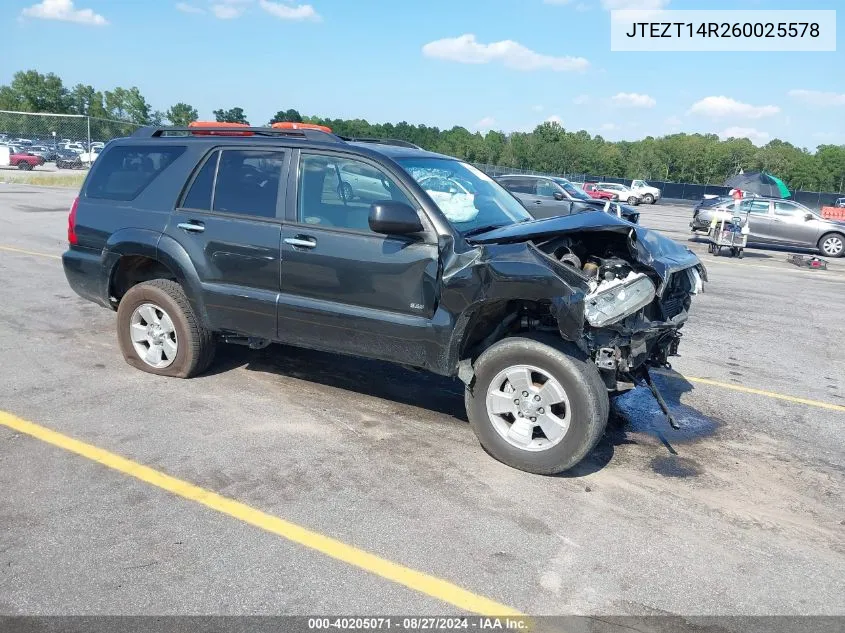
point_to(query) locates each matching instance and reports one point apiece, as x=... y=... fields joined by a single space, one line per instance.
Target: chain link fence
x=670 y=190
x=64 y=141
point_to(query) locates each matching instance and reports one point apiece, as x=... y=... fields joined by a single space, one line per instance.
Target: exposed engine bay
x=632 y=314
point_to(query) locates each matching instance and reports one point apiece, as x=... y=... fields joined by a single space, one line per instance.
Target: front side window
x=546 y=188
x=788 y=210
x=125 y=171
x=519 y=185
x=484 y=204
x=337 y=192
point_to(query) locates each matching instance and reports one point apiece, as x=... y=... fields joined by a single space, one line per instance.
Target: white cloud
x=635 y=5
x=753 y=134
x=486 y=123
x=226 y=11
x=554 y=119
x=818 y=97
x=720 y=107
x=287 y=11
x=581 y=100
x=633 y=100
x=184 y=7
x=65 y=11
x=466 y=50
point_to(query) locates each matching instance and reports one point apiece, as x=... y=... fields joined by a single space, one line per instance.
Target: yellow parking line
x=25 y=252
x=762 y=392
x=416 y=580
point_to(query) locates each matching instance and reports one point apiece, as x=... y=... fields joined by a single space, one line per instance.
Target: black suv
x=197 y=235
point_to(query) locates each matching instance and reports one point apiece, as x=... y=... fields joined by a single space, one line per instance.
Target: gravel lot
x=740 y=513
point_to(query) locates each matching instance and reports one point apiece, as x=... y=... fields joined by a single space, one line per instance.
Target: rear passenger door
x=344 y=287
x=229 y=222
x=760 y=221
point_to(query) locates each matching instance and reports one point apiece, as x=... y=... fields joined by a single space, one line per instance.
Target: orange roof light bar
x=218 y=124
x=290 y=125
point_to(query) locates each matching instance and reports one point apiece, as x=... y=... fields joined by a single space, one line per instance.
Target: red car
x=23 y=160
x=590 y=188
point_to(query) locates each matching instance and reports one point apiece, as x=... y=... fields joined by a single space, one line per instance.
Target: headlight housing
x=616 y=299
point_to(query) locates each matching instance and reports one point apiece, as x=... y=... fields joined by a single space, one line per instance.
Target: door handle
x=538 y=202
x=192 y=227
x=301 y=241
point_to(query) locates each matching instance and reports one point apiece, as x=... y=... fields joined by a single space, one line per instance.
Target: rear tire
x=24 y=166
x=832 y=245
x=195 y=345
x=550 y=370
x=633 y=201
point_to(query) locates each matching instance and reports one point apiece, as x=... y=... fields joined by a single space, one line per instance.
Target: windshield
x=469 y=198
x=571 y=189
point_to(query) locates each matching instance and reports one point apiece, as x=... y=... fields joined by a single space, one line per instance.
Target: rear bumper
x=83 y=270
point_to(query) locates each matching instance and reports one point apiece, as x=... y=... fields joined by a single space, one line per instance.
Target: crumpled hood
x=649 y=247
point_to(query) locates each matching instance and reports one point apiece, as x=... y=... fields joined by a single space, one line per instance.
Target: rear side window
x=245 y=182
x=123 y=172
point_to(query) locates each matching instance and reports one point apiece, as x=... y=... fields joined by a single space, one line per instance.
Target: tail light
x=71 y=222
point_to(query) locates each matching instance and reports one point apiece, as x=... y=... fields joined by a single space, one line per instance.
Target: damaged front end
x=638 y=288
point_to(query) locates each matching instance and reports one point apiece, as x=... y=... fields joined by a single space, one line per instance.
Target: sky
x=481 y=64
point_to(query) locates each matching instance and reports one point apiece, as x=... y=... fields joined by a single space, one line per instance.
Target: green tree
x=235 y=115
x=290 y=115
x=40 y=93
x=181 y=114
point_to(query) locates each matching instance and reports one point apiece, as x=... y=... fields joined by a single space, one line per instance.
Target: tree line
x=692 y=158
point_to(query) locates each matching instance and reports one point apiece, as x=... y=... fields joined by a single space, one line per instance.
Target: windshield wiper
x=483 y=229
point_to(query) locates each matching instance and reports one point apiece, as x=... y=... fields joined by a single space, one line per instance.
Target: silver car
x=777 y=222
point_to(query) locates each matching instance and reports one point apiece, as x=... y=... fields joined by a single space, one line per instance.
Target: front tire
x=159 y=332
x=832 y=245
x=633 y=201
x=552 y=428
x=24 y=166
x=648 y=198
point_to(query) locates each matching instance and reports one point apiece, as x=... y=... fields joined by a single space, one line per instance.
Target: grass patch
x=73 y=180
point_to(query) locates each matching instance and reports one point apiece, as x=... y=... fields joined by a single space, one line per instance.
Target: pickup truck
x=11 y=156
x=594 y=192
x=649 y=194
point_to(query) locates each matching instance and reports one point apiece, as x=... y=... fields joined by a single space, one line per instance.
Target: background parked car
x=624 y=193
x=86 y=158
x=778 y=222
x=649 y=194
x=24 y=160
x=547 y=197
x=594 y=192
x=840 y=203
x=68 y=159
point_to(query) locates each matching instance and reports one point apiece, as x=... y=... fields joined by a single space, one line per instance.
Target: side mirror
x=558 y=195
x=809 y=216
x=394 y=218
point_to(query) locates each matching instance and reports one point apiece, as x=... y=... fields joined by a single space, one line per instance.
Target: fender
x=154 y=245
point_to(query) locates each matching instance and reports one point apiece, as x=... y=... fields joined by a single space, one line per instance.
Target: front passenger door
x=549 y=206
x=344 y=287
x=791 y=226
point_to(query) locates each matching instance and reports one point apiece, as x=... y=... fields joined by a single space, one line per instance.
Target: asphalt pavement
x=739 y=513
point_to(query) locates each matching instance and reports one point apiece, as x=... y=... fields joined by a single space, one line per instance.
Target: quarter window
x=338 y=192
x=123 y=172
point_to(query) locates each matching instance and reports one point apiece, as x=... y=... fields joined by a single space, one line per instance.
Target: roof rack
x=384 y=141
x=216 y=130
